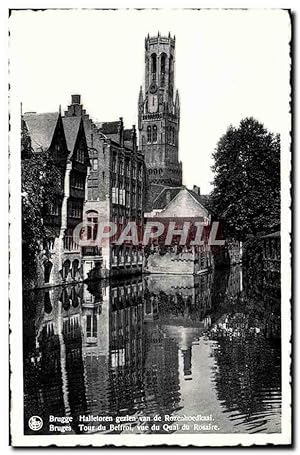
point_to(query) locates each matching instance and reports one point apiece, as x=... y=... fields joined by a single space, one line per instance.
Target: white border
x=16 y=292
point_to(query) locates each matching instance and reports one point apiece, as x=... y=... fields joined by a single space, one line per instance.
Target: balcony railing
x=70 y=245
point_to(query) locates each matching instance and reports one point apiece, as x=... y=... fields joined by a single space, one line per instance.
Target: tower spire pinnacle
x=141 y=94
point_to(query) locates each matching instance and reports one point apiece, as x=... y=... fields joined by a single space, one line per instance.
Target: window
x=114 y=164
x=121 y=167
x=127 y=198
x=95 y=164
x=154 y=133
x=149 y=139
x=133 y=198
x=66 y=269
x=80 y=155
x=114 y=256
x=153 y=66
x=75 y=268
x=114 y=195
x=140 y=172
x=47 y=271
x=127 y=169
x=78 y=181
x=75 y=210
x=171 y=69
x=133 y=170
x=162 y=69
x=139 y=198
x=47 y=302
x=91 y=326
x=92 y=219
x=122 y=196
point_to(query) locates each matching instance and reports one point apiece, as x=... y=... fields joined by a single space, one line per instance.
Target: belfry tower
x=159 y=113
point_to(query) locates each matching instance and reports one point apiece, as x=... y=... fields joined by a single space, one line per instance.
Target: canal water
x=155 y=354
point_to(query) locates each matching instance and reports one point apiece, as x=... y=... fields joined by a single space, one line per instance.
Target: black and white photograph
x=150 y=227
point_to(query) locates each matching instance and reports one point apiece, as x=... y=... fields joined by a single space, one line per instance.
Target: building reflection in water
x=118 y=348
x=247 y=331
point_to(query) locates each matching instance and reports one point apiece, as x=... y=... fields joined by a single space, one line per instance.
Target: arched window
x=173 y=135
x=75 y=268
x=64 y=298
x=149 y=140
x=154 y=133
x=74 y=297
x=47 y=303
x=162 y=69
x=66 y=268
x=47 y=271
x=153 y=66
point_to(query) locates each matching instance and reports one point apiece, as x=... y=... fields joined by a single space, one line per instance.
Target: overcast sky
x=229 y=64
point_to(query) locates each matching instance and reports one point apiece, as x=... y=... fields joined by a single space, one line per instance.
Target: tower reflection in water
x=113 y=349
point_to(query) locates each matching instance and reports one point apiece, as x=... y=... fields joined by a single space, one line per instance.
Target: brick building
x=117 y=187
x=64 y=140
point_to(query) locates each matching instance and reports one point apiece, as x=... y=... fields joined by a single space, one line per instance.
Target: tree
x=246 y=194
x=41 y=188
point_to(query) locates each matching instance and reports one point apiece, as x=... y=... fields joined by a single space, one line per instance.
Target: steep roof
x=71 y=128
x=109 y=127
x=183 y=204
x=165 y=196
x=111 y=130
x=41 y=129
x=201 y=198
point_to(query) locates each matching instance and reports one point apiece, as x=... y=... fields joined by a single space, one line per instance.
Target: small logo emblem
x=35 y=423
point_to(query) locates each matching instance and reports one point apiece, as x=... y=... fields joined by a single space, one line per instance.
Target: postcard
x=150 y=227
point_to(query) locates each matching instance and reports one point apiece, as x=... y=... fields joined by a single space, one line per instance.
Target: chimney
x=75 y=99
x=196 y=190
x=133 y=133
x=121 y=132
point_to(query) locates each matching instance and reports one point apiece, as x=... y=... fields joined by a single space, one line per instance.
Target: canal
x=181 y=353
